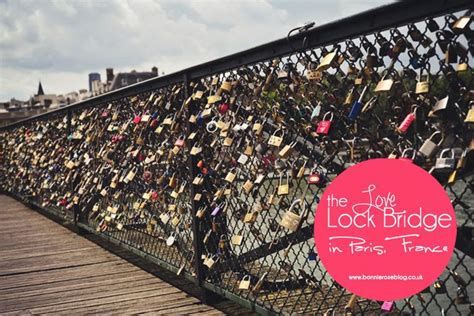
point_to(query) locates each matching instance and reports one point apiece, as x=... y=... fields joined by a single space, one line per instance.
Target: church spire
x=40 y=89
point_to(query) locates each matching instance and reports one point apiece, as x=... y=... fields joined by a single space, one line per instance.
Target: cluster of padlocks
x=233 y=164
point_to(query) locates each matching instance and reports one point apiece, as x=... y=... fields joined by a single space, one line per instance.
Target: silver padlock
x=429 y=147
x=445 y=162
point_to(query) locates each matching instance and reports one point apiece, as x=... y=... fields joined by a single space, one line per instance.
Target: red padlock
x=314 y=178
x=154 y=123
x=154 y=195
x=325 y=124
x=104 y=114
x=405 y=125
x=223 y=108
x=137 y=119
x=200 y=164
x=147 y=176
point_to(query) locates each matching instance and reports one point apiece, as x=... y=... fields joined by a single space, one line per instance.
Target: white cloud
x=61 y=41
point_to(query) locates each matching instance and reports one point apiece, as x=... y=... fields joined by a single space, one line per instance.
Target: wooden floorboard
x=47 y=269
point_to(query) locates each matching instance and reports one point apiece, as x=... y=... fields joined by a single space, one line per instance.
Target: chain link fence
x=217 y=176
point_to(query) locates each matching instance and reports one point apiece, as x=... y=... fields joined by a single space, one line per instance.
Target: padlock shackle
x=450 y=150
x=328 y=113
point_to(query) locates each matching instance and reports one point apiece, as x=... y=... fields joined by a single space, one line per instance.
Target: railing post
x=194 y=205
x=71 y=155
x=207 y=296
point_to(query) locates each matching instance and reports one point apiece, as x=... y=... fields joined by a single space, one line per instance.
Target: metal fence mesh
x=232 y=152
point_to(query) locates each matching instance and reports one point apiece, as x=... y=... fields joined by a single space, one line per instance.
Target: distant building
x=98 y=87
x=94 y=76
x=42 y=100
x=124 y=79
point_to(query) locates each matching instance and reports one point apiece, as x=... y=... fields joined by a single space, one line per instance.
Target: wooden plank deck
x=47 y=269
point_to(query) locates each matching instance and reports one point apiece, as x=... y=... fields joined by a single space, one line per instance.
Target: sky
x=60 y=42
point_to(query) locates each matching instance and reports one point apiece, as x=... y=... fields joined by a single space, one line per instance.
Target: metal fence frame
x=378 y=19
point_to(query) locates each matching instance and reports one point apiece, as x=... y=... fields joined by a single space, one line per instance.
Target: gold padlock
x=250 y=217
x=236 y=240
x=248 y=186
x=275 y=140
x=470 y=116
x=283 y=188
x=291 y=220
x=245 y=283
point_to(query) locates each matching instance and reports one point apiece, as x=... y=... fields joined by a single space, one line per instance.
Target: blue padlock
x=357 y=106
x=415 y=60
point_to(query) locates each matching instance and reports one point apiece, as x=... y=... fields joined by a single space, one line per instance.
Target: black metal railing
x=188 y=170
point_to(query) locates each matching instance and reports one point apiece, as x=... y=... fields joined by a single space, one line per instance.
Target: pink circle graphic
x=385 y=229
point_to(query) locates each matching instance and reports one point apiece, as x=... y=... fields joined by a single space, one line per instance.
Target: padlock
x=461 y=296
x=222 y=242
x=441 y=104
x=446 y=160
x=357 y=106
x=325 y=124
x=207 y=236
x=314 y=178
x=198 y=180
x=219 y=208
x=302 y=170
x=423 y=86
x=275 y=140
x=250 y=216
x=287 y=150
x=243 y=159
x=196 y=150
x=210 y=261
x=384 y=85
x=180 y=141
x=171 y=239
x=231 y=175
x=409 y=119
x=228 y=141
x=416 y=61
x=470 y=116
x=327 y=61
x=451 y=54
x=258 y=127
x=462 y=65
x=462 y=22
x=236 y=240
x=248 y=186
x=283 y=188
x=312 y=255
x=440 y=287
x=172 y=181
x=387 y=306
x=137 y=119
x=429 y=147
x=248 y=150
x=245 y=283
x=291 y=220
x=351 y=304
x=130 y=175
x=316 y=111
x=432 y=25
x=405 y=155
x=201 y=212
